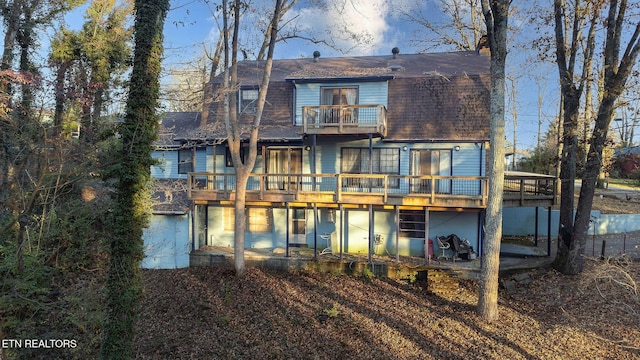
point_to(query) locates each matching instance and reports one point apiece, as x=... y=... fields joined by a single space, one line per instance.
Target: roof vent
x=395 y=51
x=316 y=55
x=395 y=67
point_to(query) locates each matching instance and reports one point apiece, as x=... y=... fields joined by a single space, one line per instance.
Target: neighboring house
x=365 y=155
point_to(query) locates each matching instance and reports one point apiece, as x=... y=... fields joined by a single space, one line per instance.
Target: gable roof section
x=432 y=97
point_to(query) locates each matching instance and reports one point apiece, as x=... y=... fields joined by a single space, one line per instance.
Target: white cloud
x=356 y=27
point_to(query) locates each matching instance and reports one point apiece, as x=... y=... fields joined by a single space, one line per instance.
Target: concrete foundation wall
x=521 y=221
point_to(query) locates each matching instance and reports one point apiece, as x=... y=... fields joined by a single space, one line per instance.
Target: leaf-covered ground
x=207 y=313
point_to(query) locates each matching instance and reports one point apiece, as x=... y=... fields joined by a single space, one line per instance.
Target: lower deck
x=514 y=257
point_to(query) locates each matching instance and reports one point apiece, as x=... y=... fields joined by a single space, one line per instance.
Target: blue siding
x=167 y=167
x=167 y=242
x=368 y=93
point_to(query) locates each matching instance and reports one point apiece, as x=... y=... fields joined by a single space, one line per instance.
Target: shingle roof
x=432 y=97
x=175 y=126
x=463 y=63
x=170 y=196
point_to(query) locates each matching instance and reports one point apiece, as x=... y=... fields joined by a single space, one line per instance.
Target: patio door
x=282 y=162
x=338 y=97
x=431 y=163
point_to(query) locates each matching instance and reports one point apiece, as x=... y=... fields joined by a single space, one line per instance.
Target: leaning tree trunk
x=574 y=261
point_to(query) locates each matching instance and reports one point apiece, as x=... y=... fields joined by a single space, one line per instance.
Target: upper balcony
x=344 y=119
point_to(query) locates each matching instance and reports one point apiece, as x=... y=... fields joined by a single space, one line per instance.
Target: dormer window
x=248 y=100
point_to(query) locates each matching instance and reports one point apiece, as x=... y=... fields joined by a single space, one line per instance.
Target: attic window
x=248 y=100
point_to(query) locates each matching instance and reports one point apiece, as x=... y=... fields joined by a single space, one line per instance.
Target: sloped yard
x=206 y=313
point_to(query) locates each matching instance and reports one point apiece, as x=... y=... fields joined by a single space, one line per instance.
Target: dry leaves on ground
x=208 y=313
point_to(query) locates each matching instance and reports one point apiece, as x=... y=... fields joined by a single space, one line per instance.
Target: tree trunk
x=59 y=90
x=244 y=169
x=567 y=173
x=12 y=20
x=240 y=225
x=496 y=16
x=575 y=260
x=131 y=210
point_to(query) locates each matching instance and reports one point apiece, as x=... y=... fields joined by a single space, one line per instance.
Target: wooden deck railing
x=447 y=191
x=344 y=119
x=346 y=188
x=520 y=190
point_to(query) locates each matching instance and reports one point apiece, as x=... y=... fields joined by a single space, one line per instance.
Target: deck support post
x=370 y=233
x=341 y=228
x=426 y=234
x=287 y=216
x=315 y=230
x=397 y=210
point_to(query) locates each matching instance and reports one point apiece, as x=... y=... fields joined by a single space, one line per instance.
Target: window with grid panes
x=381 y=161
x=258 y=219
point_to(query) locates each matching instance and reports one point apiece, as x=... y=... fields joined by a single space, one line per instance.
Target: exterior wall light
x=457 y=148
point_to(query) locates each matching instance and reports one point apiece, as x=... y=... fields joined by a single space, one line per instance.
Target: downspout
x=287 y=227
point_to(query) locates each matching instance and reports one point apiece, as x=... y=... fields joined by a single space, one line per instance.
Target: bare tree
x=234 y=128
x=568 y=39
x=185 y=90
x=496 y=18
x=615 y=70
x=461 y=26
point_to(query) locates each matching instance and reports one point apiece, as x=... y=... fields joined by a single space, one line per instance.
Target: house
x=356 y=155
